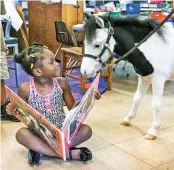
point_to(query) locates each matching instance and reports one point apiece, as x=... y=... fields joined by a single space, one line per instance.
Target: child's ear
x=37 y=72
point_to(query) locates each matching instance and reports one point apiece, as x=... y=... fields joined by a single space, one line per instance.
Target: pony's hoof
x=125 y=123
x=150 y=137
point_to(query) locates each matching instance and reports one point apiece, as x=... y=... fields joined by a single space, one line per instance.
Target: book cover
x=59 y=139
x=34 y=121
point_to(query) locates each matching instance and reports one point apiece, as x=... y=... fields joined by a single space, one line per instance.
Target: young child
x=46 y=93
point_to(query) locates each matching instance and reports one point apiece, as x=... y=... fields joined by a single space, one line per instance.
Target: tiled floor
x=114 y=147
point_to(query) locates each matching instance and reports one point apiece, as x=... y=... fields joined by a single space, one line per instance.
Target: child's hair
x=28 y=57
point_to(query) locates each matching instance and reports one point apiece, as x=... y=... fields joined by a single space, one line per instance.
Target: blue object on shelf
x=19 y=3
x=171 y=20
x=132 y=9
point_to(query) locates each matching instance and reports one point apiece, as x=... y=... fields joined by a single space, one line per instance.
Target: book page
x=77 y=116
x=36 y=123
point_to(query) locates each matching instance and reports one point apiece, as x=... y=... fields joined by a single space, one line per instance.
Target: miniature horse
x=153 y=61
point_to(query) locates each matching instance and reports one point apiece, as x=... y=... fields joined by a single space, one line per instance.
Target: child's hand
x=11 y=109
x=97 y=95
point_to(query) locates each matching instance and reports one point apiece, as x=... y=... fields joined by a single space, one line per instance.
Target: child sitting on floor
x=46 y=93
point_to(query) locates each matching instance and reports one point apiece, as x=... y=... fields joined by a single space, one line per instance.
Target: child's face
x=49 y=66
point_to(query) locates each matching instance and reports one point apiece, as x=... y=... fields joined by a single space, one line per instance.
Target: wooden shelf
x=42 y=19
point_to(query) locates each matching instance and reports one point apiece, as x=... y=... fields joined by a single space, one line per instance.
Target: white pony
x=153 y=60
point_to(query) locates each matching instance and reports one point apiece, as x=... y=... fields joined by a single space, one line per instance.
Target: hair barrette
x=45 y=46
x=31 y=55
x=31 y=65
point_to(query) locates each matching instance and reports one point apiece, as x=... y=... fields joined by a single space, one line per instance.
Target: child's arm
x=67 y=95
x=23 y=92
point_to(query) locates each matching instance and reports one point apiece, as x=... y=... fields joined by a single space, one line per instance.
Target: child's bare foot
x=83 y=154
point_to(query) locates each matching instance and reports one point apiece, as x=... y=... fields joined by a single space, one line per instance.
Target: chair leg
x=124 y=65
x=16 y=49
x=127 y=75
x=82 y=82
x=109 y=78
x=16 y=66
x=60 y=46
x=17 y=74
x=63 y=64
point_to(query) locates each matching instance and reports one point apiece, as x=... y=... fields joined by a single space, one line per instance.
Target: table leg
x=109 y=78
x=82 y=82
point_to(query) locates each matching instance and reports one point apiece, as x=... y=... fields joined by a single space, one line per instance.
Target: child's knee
x=87 y=131
x=21 y=133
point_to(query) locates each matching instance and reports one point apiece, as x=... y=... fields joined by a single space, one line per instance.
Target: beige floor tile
x=115 y=109
x=58 y=164
x=97 y=116
x=8 y=141
x=167 y=134
x=172 y=106
x=95 y=143
x=146 y=103
x=112 y=132
x=112 y=158
x=154 y=153
x=9 y=128
x=15 y=157
x=167 y=110
x=70 y=167
x=8 y=131
x=144 y=119
x=114 y=96
x=168 y=166
x=124 y=84
x=120 y=107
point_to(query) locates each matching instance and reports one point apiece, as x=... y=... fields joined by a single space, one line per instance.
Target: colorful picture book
x=59 y=139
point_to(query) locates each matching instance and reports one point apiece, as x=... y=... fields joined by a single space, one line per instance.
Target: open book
x=58 y=139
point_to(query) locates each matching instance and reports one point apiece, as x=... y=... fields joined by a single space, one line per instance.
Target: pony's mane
x=134 y=24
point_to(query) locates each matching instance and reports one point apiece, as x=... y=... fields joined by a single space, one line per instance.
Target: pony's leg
x=157 y=87
x=141 y=90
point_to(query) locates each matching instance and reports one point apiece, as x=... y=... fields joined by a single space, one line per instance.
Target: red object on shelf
x=156 y=1
x=160 y=16
x=95 y=12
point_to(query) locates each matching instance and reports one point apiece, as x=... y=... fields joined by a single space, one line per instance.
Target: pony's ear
x=99 y=21
x=87 y=15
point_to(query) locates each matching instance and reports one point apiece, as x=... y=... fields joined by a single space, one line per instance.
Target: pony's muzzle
x=88 y=74
x=84 y=74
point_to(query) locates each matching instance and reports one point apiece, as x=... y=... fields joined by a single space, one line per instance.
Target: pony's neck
x=138 y=28
x=141 y=65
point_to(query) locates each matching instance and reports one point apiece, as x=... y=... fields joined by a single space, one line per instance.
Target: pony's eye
x=97 y=45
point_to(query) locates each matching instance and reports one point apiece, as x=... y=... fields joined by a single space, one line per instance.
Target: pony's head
x=98 y=45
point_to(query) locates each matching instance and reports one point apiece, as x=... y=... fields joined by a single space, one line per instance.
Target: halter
x=106 y=46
